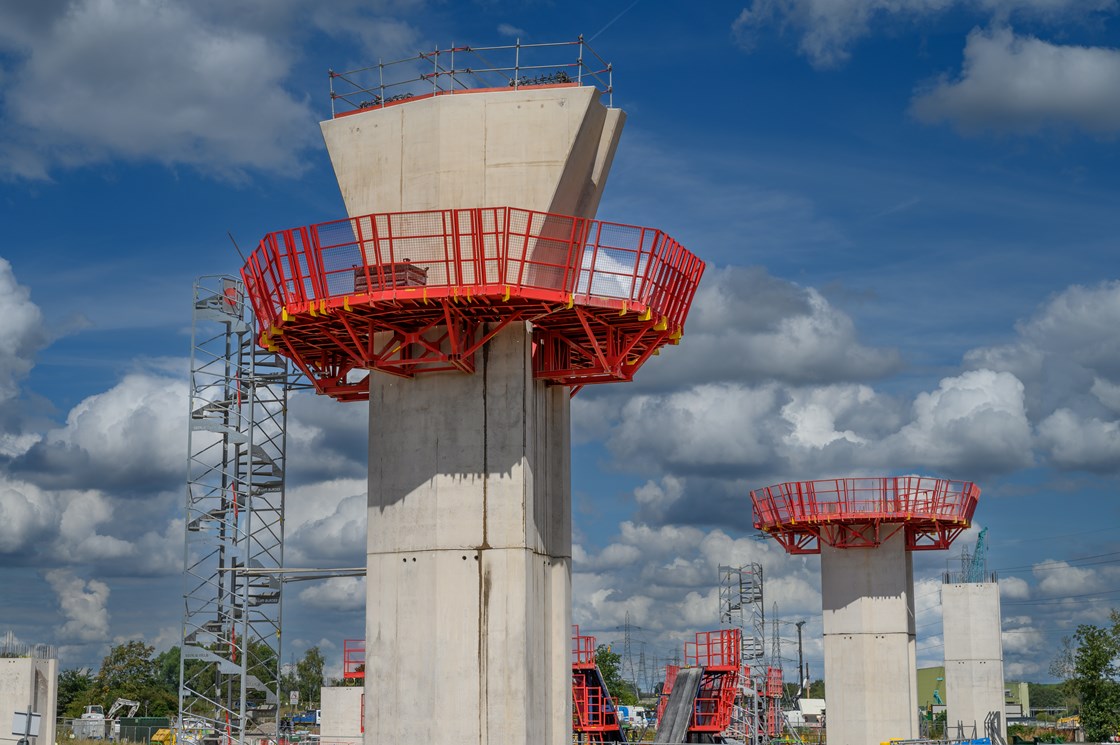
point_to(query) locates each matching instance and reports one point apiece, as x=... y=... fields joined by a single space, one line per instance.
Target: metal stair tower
x=230 y=664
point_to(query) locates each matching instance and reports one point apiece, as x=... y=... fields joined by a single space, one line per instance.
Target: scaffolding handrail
x=438 y=72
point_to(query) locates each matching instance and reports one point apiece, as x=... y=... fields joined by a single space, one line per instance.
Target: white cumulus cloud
x=22 y=335
x=1022 y=84
x=93 y=80
x=83 y=605
x=827 y=29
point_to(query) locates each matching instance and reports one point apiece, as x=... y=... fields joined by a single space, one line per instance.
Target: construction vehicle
x=120 y=703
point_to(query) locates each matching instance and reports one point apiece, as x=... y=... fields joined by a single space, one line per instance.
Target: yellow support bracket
x=624 y=308
x=346 y=304
x=646 y=315
x=571 y=301
x=323 y=307
x=311 y=308
x=662 y=324
x=505 y=297
x=677 y=334
x=284 y=314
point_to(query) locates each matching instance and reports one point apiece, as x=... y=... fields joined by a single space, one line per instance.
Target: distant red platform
x=864 y=512
x=418 y=292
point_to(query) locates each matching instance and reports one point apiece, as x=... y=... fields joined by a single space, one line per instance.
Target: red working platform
x=864 y=512
x=419 y=292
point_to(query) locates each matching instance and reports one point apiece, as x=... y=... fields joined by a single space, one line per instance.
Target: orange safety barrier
x=864 y=512
x=416 y=292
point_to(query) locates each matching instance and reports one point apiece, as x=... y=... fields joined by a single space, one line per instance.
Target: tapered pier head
x=468 y=295
x=864 y=530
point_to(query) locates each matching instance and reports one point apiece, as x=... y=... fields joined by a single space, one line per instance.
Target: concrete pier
x=469 y=543
x=870 y=665
x=973 y=661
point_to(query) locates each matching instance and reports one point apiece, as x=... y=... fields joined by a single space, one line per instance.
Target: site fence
x=462 y=69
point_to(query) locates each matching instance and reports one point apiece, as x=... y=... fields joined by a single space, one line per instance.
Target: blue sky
x=909 y=213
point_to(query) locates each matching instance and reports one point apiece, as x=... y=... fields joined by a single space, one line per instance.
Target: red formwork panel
x=719 y=653
x=594 y=713
x=864 y=512
x=410 y=293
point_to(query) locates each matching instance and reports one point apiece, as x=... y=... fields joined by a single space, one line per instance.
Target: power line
x=1057 y=600
x=611 y=23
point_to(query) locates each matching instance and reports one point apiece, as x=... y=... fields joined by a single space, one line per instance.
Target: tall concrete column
x=469 y=554
x=469 y=544
x=973 y=660
x=870 y=662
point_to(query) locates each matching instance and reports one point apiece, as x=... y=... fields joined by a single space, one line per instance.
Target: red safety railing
x=354 y=658
x=721 y=648
x=583 y=648
x=602 y=296
x=864 y=512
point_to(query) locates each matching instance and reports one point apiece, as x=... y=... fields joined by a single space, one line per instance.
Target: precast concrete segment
x=973 y=660
x=677 y=716
x=544 y=149
x=469 y=542
x=869 y=644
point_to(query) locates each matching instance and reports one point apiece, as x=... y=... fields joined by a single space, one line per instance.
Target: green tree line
x=134 y=671
x=1089 y=665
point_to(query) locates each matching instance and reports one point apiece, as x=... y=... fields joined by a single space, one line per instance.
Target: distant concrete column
x=870 y=664
x=973 y=660
x=469 y=554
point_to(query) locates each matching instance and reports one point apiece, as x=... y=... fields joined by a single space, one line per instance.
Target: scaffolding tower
x=741 y=607
x=229 y=670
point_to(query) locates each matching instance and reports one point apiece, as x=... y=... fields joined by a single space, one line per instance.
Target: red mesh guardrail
x=603 y=297
x=864 y=512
